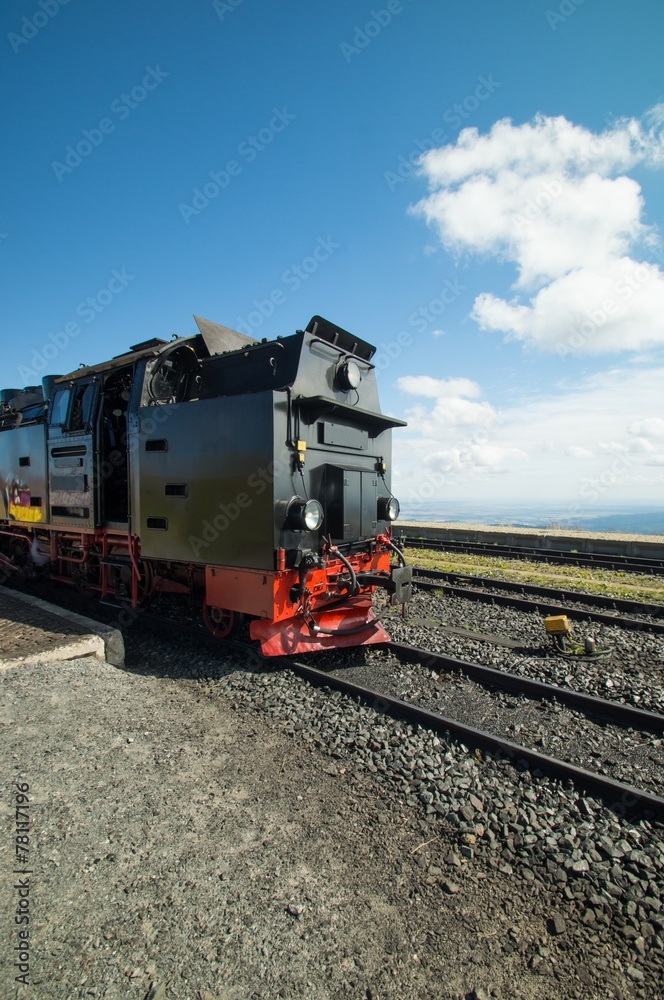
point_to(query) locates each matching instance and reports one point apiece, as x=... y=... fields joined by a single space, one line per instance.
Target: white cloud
x=610 y=308
x=439 y=333
x=640 y=446
x=548 y=143
x=437 y=388
x=651 y=428
x=613 y=447
x=544 y=197
x=533 y=446
x=475 y=458
x=454 y=413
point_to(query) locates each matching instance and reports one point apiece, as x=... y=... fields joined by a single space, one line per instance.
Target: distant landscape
x=629 y=518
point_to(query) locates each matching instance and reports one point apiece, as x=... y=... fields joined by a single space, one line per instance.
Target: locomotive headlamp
x=348 y=375
x=388 y=508
x=304 y=515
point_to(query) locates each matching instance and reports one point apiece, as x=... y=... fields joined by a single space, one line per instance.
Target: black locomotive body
x=254 y=475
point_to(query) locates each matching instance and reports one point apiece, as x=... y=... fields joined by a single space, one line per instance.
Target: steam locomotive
x=251 y=476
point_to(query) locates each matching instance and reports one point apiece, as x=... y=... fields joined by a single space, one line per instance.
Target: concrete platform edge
x=103 y=641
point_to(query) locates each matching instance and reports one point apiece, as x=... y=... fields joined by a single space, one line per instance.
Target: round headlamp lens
x=303 y=515
x=349 y=375
x=388 y=508
x=312 y=515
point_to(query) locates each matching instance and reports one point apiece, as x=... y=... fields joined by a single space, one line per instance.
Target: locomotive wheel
x=221 y=622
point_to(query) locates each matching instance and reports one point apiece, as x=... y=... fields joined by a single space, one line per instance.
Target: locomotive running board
x=286 y=638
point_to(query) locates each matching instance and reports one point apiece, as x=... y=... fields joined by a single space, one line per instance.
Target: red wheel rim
x=219 y=621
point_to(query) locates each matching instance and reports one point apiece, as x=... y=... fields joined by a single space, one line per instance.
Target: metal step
x=115 y=602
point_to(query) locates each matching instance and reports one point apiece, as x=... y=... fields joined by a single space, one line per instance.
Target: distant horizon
x=641 y=517
x=521 y=503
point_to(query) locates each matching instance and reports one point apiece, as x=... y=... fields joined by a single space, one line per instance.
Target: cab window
x=60 y=407
x=82 y=406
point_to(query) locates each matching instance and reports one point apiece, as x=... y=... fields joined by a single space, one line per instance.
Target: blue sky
x=257 y=163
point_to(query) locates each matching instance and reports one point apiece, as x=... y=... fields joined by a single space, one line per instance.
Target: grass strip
x=607 y=583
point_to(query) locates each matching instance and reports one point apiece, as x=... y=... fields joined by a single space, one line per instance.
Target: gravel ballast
x=633 y=670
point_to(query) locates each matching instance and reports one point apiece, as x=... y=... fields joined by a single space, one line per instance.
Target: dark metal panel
x=342 y=436
x=352 y=504
x=222 y=450
x=259 y=368
x=349 y=498
x=69 y=482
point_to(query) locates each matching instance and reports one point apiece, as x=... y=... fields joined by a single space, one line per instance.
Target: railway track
x=602 y=708
x=545 y=600
x=629 y=564
x=616 y=794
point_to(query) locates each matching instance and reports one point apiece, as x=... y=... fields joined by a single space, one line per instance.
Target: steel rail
x=615 y=711
x=598 y=600
x=631 y=564
x=618 y=796
x=543 y=607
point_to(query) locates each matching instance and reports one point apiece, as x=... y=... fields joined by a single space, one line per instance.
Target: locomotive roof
x=215 y=339
x=133 y=354
x=212 y=339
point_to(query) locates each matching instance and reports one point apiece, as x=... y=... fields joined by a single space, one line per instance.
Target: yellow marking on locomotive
x=19 y=513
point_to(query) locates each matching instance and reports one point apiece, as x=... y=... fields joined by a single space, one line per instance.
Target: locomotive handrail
x=340 y=350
